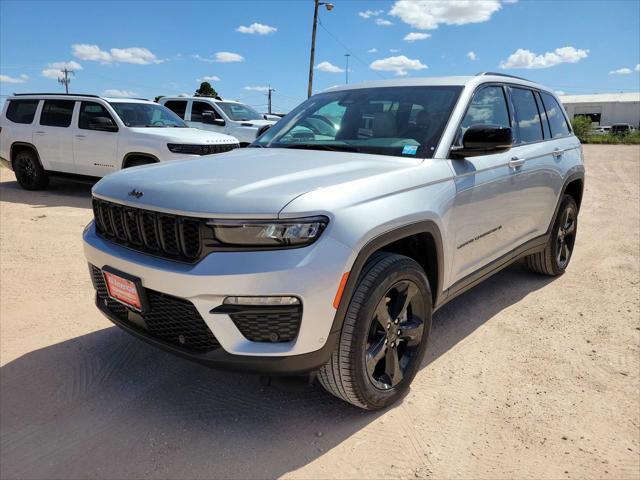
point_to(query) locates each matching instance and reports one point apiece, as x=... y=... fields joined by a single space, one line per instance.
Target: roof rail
x=501 y=75
x=57 y=94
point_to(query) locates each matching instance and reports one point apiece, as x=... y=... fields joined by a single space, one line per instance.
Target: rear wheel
x=29 y=172
x=384 y=335
x=554 y=259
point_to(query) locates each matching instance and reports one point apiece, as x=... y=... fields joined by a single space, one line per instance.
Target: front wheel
x=384 y=334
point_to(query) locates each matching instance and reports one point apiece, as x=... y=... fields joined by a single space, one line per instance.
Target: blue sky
x=163 y=48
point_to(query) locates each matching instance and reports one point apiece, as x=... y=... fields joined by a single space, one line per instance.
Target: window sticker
x=410 y=150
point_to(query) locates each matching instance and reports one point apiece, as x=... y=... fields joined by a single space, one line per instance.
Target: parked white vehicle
x=222 y=116
x=43 y=135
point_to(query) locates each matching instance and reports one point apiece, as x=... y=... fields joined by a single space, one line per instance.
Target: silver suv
x=327 y=245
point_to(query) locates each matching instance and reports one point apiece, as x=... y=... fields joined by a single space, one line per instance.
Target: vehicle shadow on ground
x=105 y=405
x=59 y=193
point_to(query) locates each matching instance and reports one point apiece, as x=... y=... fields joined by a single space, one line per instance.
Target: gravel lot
x=526 y=377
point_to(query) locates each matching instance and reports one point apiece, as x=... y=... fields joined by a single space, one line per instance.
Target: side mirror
x=484 y=140
x=103 y=124
x=209 y=117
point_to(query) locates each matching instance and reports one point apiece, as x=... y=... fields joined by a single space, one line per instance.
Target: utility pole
x=269 y=98
x=66 y=80
x=329 y=7
x=347 y=55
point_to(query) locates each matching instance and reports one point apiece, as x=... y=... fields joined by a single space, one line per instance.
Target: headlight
x=270 y=233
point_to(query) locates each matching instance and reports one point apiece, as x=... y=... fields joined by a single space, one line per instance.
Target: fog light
x=261 y=301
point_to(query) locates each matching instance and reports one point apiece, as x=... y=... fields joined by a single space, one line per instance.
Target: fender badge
x=135 y=193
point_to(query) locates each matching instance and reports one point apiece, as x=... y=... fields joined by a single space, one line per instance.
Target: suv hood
x=249 y=182
x=185 y=135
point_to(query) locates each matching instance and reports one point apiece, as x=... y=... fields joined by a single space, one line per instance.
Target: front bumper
x=311 y=274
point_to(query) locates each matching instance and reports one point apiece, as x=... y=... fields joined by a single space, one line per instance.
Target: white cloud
x=328 y=67
x=621 y=71
x=114 y=92
x=428 y=14
x=209 y=78
x=7 y=79
x=522 y=58
x=472 y=56
x=135 y=55
x=53 y=70
x=510 y=1
x=394 y=50
x=383 y=22
x=372 y=50
x=261 y=88
x=370 y=13
x=400 y=65
x=257 y=28
x=413 y=36
x=228 y=57
x=560 y=92
x=638 y=67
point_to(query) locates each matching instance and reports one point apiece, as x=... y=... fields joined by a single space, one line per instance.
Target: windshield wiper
x=323 y=146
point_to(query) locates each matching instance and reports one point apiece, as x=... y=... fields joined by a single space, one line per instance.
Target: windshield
x=239 y=112
x=146 y=115
x=400 y=121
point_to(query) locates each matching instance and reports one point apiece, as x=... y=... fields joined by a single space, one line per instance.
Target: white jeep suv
x=328 y=243
x=222 y=116
x=43 y=135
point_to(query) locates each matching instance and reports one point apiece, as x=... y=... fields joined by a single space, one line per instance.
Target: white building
x=605 y=109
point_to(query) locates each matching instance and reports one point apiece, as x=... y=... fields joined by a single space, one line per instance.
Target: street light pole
x=347 y=55
x=329 y=7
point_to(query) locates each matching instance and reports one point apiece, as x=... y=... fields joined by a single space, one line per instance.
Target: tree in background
x=157 y=99
x=581 y=127
x=206 y=90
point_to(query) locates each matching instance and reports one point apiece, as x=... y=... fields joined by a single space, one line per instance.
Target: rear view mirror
x=103 y=124
x=484 y=140
x=209 y=117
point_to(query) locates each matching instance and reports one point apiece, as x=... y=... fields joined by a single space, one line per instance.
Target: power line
x=66 y=80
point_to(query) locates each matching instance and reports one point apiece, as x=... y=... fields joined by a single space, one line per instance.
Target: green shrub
x=581 y=127
x=631 y=138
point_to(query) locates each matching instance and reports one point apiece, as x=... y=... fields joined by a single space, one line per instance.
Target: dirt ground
x=525 y=377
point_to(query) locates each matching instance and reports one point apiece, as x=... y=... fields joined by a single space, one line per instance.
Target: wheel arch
x=574 y=186
x=17 y=147
x=137 y=155
x=421 y=241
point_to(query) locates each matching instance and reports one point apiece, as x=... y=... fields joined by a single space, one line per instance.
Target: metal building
x=605 y=109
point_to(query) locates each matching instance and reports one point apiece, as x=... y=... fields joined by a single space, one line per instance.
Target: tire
x=555 y=257
x=357 y=370
x=29 y=171
x=136 y=162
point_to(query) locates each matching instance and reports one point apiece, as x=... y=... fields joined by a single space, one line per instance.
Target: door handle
x=81 y=137
x=557 y=153
x=39 y=132
x=516 y=162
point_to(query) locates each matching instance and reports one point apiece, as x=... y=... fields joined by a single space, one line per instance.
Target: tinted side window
x=22 y=111
x=527 y=115
x=488 y=107
x=557 y=120
x=543 y=117
x=89 y=111
x=198 y=107
x=57 y=113
x=179 y=107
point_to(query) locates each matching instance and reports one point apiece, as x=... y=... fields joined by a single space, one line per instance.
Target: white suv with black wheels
x=223 y=116
x=43 y=135
x=327 y=245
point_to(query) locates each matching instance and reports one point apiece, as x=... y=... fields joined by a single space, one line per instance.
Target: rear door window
x=57 y=113
x=527 y=115
x=22 y=111
x=179 y=107
x=557 y=120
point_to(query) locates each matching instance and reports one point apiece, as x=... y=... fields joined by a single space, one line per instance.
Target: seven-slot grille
x=169 y=319
x=171 y=236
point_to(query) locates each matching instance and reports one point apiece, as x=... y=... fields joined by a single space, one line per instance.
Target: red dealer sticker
x=123 y=290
